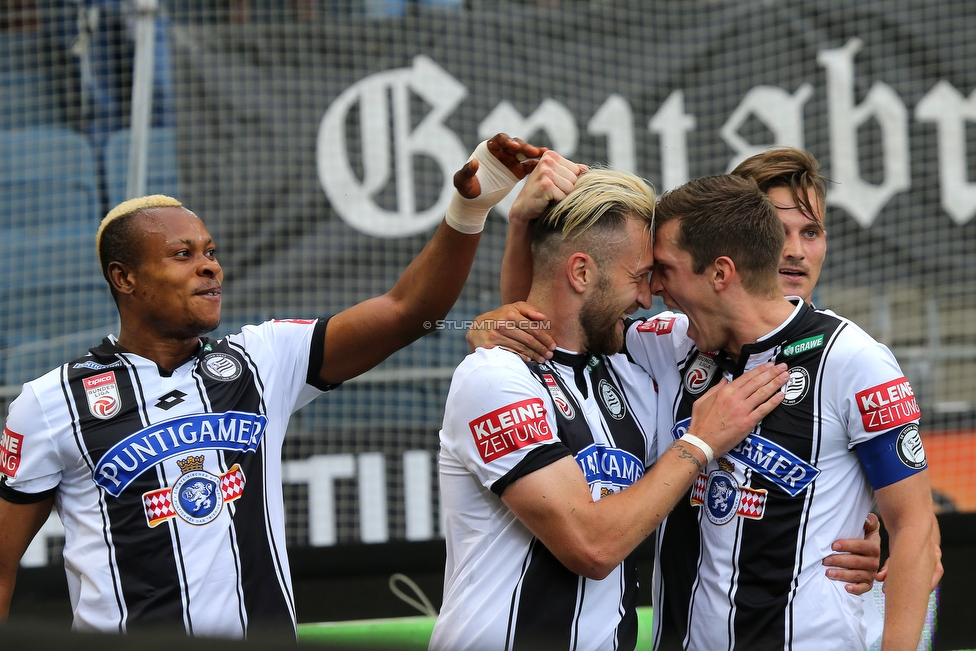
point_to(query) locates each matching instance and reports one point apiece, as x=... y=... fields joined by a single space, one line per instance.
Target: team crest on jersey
x=796 y=387
x=723 y=499
x=660 y=326
x=221 y=366
x=197 y=497
x=909 y=447
x=102 y=392
x=700 y=373
x=558 y=397
x=612 y=400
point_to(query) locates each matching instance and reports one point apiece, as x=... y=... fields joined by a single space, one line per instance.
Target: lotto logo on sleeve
x=510 y=428
x=661 y=326
x=887 y=406
x=10 y=446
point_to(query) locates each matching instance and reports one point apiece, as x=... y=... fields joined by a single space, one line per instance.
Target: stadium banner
x=320 y=155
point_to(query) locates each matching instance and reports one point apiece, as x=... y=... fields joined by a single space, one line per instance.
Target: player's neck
x=166 y=352
x=755 y=318
x=562 y=318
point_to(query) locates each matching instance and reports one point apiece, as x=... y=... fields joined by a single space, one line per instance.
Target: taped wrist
x=701 y=445
x=469 y=215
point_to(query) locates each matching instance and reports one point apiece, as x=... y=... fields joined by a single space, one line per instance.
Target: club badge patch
x=197 y=497
x=612 y=401
x=102 y=392
x=222 y=367
x=909 y=447
x=796 y=387
x=700 y=373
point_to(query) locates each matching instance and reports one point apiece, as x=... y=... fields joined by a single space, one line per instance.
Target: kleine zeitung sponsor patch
x=887 y=405
x=10 y=449
x=510 y=428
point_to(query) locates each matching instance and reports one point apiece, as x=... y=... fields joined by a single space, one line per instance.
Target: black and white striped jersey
x=738 y=563
x=169 y=484
x=505 y=419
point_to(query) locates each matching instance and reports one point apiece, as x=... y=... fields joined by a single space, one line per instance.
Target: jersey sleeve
x=297 y=347
x=658 y=343
x=30 y=465
x=882 y=416
x=499 y=421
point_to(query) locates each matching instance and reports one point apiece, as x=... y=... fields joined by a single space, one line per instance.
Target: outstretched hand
x=518 y=327
x=518 y=156
x=730 y=410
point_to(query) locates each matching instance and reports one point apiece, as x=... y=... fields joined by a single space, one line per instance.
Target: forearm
x=7 y=581
x=431 y=284
x=910 y=567
x=591 y=538
x=626 y=518
x=516 y=274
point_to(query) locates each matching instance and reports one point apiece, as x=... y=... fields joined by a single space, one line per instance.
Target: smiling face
x=621 y=289
x=176 y=285
x=806 y=243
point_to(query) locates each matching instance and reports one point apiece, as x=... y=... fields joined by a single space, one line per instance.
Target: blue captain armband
x=890 y=457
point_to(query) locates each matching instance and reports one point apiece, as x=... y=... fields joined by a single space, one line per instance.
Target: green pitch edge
x=411 y=633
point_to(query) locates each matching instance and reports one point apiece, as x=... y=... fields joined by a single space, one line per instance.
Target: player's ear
x=121 y=278
x=581 y=271
x=721 y=272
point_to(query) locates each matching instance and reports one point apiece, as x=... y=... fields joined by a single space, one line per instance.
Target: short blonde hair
x=596 y=209
x=601 y=194
x=129 y=207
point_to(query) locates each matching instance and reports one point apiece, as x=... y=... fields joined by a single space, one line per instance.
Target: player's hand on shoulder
x=551 y=180
x=730 y=410
x=518 y=327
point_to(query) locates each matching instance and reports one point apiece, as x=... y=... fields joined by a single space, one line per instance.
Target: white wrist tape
x=701 y=445
x=469 y=215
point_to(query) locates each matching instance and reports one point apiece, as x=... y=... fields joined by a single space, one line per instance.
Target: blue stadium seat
x=31 y=360
x=161 y=175
x=47 y=180
x=52 y=285
x=27 y=95
x=26 y=100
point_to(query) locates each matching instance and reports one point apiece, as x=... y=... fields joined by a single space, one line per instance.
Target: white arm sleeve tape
x=469 y=215
x=701 y=445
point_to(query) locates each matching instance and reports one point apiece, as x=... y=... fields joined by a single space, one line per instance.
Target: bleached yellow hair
x=129 y=207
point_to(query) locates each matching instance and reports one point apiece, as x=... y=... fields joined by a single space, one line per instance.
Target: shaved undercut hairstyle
x=791 y=168
x=118 y=240
x=728 y=216
x=592 y=217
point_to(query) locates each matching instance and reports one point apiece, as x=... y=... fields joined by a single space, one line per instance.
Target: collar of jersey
x=790 y=329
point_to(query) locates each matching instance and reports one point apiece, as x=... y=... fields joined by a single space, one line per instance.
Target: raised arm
x=19 y=523
x=592 y=537
x=378 y=327
x=906 y=509
x=551 y=180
